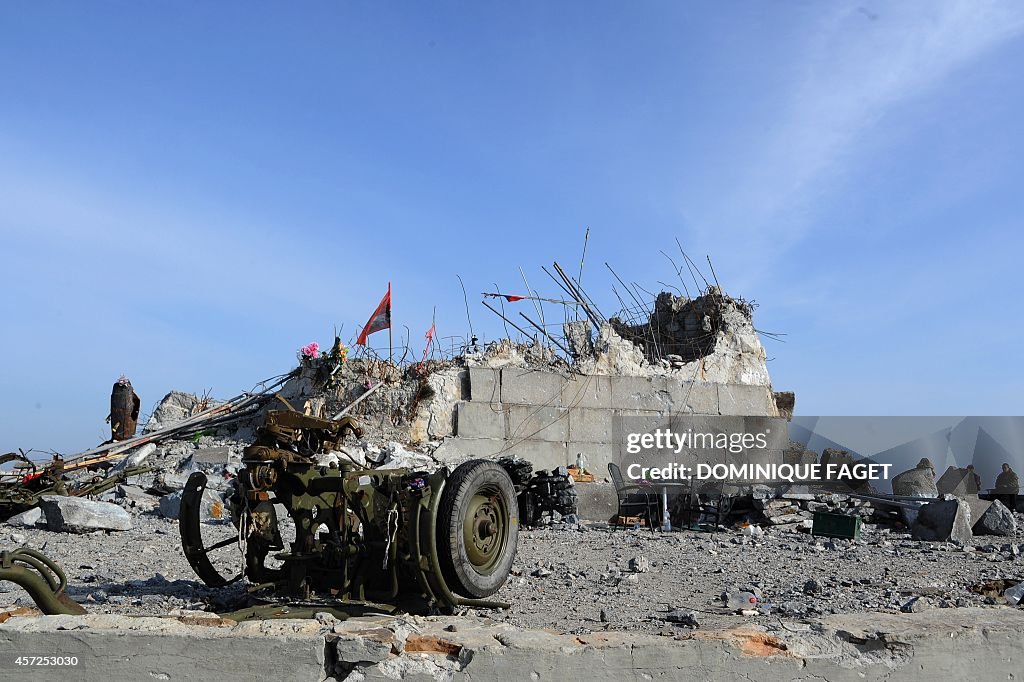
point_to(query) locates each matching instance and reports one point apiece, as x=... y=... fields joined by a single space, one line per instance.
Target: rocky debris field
x=589 y=578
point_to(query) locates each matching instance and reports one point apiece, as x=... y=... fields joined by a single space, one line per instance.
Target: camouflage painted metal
x=42 y=578
x=429 y=541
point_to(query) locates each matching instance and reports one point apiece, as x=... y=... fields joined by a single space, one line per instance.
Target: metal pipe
x=358 y=400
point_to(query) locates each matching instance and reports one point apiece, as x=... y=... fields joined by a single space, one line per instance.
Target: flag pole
x=391 y=352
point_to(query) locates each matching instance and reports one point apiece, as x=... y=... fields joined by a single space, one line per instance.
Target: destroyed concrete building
x=590 y=584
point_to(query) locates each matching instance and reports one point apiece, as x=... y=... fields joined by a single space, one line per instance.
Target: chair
x=632 y=496
x=704 y=509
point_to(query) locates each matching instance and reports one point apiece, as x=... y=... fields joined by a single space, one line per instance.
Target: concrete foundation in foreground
x=980 y=644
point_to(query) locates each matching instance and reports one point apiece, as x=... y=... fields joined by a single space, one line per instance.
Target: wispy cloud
x=859 y=64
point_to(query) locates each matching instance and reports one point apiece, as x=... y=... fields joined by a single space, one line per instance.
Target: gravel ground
x=579 y=580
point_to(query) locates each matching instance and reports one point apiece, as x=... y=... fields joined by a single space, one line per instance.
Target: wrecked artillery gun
x=431 y=541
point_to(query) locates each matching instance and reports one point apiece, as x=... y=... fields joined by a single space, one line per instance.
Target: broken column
x=124 y=410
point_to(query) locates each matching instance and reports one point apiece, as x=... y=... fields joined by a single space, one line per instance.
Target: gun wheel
x=477 y=528
x=214 y=561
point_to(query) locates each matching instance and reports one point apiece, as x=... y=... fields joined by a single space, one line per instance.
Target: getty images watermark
x=709 y=451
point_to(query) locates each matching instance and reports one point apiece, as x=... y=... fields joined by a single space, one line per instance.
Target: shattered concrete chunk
x=30 y=518
x=361 y=650
x=948 y=519
x=997 y=520
x=77 y=515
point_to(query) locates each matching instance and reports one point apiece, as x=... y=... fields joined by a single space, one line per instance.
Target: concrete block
x=641 y=393
x=594 y=426
x=521 y=386
x=485 y=384
x=477 y=419
x=592 y=392
x=745 y=400
x=543 y=454
x=598 y=456
x=693 y=397
x=455 y=450
x=538 y=423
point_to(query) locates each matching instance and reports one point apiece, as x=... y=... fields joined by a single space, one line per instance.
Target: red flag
x=429 y=336
x=381 y=318
x=512 y=298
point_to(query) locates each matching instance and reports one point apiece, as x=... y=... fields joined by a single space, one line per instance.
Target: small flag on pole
x=430 y=339
x=381 y=319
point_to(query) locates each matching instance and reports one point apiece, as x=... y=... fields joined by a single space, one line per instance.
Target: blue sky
x=191 y=191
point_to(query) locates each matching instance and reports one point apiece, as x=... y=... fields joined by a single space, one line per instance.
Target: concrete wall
x=549 y=418
x=975 y=644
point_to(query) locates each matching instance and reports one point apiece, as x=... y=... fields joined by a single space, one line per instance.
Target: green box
x=836 y=525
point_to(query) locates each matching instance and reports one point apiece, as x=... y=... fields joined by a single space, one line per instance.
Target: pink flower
x=311 y=351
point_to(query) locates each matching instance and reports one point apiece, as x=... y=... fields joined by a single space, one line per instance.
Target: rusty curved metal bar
x=42 y=578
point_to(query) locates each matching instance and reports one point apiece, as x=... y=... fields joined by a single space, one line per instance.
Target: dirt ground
x=585 y=578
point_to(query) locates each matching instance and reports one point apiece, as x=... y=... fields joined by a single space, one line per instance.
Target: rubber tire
x=527 y=510
x=463 y=483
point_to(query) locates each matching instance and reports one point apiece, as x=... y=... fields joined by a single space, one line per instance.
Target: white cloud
x=859 y=64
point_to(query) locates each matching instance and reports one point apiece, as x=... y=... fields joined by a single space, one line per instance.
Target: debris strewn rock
x=946 y=519
x=997 y=520
x=77 y=515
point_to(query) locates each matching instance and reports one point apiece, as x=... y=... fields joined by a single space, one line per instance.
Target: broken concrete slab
x=30 y=518
x=996 y=520
x=78 y=515
x=948 y=519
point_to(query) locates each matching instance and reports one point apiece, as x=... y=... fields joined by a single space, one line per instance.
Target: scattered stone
x=78 y=515
x=683 y=617
x=812 y=587
x=541 y=573
x=915 y=605
x=740 y=600
x=639 y=564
